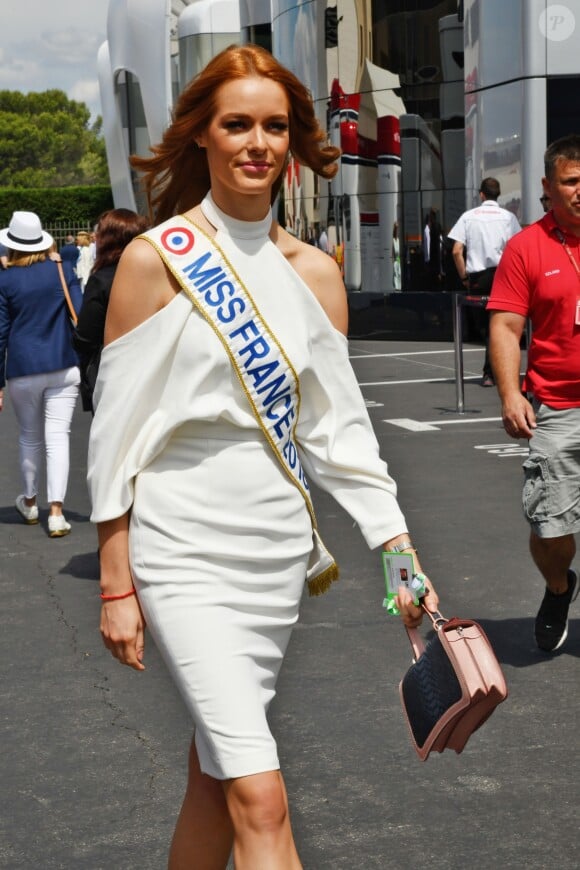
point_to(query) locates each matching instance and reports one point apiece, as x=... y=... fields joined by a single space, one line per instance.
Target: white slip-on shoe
x=58 y=526
x=28 y=514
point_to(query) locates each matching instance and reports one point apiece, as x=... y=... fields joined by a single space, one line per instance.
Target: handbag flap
x=473 y=653
x=476 y=646
x=432 y=695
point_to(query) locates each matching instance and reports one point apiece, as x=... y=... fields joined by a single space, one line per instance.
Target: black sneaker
x=552 y=619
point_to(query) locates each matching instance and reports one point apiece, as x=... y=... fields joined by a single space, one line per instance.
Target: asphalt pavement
x=93 y=755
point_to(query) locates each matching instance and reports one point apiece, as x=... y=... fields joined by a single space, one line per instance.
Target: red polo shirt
x=535 y=278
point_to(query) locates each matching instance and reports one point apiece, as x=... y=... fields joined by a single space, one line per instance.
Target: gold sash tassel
x=320 y=584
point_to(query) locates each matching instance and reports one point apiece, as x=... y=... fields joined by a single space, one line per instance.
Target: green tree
x=46 y=140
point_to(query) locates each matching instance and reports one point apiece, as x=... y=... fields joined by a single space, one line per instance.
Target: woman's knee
x=257 y=802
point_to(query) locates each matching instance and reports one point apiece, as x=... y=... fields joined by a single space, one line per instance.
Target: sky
x=47 y=44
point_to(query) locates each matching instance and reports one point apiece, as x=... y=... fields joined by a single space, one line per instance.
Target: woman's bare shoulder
x=139 y=253
x=320 y=272
x=141 y=288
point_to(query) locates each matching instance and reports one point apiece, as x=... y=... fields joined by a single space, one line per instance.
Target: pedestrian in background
x=396 y=257
x=433 y=250
x=69 y=253
x=484 y=231
x=323 y=240
x=196 y=481
x=114 y=231
x=85 y=259
x=93 y=243
x=38 y=362
x=539 y=277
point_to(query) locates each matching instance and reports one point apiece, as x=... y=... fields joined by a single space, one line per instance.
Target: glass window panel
x=563 y=112
x=502 y=156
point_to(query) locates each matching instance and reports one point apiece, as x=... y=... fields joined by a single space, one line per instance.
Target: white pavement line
x=412 y=425
x=497 y=446
x=417 y=426
x=504 y=451
x=414 y=353
x=471 y=420
x=449 y=380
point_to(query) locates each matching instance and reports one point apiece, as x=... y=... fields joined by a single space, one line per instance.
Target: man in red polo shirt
x=539 y=277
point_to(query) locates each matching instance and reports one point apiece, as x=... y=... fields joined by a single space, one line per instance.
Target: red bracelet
x=118 y=597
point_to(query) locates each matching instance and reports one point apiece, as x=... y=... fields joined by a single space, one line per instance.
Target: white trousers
x=44 y=405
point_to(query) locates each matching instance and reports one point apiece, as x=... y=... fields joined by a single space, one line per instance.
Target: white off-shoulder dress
x=219 y=536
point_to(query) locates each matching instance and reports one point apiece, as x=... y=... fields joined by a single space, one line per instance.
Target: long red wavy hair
x=176 y=177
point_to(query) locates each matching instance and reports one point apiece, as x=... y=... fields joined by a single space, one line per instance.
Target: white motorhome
x=424 y=98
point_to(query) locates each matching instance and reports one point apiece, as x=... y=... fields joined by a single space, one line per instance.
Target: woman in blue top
x=38 y=362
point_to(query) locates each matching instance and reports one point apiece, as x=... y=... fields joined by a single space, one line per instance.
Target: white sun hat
x=25 y=233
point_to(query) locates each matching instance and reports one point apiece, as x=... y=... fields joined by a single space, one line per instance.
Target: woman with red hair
x=224 y=386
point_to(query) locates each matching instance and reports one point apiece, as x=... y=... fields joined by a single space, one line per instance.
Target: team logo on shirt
x=178 y=240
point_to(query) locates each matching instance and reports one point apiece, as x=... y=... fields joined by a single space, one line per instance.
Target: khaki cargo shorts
x=551 y=492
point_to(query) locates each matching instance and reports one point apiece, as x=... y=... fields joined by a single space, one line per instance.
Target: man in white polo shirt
x=484 y=231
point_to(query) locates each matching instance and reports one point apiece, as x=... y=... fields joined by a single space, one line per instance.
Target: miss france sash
x=265 y=373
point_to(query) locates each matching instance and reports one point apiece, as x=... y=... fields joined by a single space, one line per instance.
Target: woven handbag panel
x=429 y=688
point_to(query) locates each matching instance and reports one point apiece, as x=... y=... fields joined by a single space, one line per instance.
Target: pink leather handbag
x=454 y=685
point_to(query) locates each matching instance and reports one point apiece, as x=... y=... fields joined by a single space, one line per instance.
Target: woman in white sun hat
x=38 y=362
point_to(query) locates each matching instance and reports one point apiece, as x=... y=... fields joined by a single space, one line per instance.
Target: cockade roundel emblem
x=178 y=240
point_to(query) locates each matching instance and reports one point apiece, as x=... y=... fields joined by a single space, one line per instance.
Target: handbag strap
x=70 y=306
x=415 y=639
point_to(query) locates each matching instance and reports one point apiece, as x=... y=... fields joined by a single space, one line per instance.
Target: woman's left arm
x=72 y=282
x=337 y=467
x=5 y=323
x=74 y=287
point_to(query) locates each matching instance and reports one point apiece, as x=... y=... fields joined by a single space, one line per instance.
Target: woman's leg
x=26 y=395
x=60 y=399
x=263 y=837
x=203 y=835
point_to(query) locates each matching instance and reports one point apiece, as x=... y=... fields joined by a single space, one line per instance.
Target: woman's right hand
x=122 y=620
x=123 y=631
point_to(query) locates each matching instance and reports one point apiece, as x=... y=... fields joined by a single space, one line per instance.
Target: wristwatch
x=401 y=548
